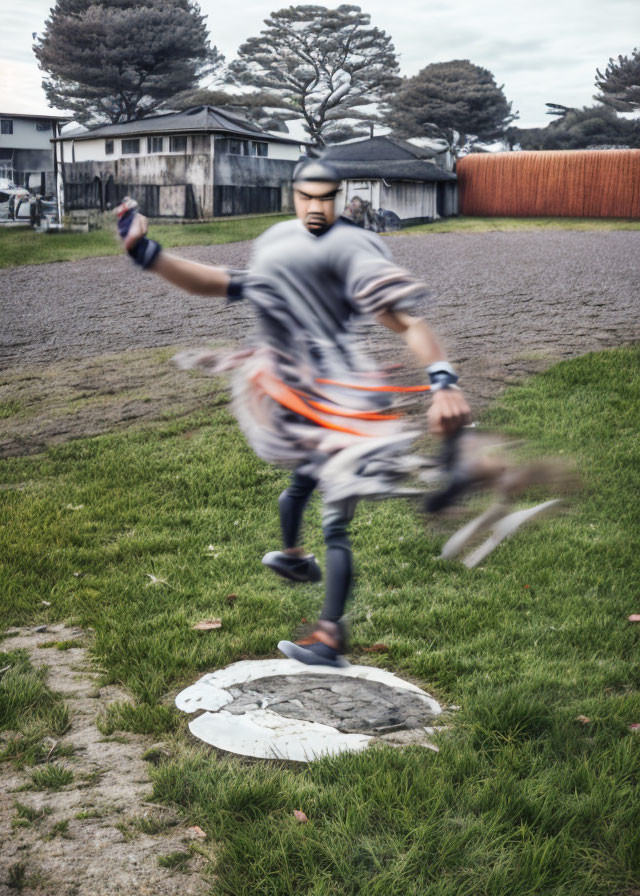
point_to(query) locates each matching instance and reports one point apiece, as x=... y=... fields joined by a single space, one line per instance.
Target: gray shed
x=395 y=176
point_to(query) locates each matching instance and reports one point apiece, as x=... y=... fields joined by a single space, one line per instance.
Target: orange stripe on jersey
x=284 y=395
x=374 y=388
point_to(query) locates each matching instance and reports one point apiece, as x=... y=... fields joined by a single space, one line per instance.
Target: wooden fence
x=571 y=184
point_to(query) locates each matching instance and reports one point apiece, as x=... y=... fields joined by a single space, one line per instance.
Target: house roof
x=377 y=149
x=198 y=118
x=416 y=169
x=40 y=115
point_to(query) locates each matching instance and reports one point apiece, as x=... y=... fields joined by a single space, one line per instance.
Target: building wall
x=248 y=184
x=203 y=182
x=26 y=135
x=289 y=152
x=94 y=150
x=560 y=183
x=165 y=186
x=410 y=200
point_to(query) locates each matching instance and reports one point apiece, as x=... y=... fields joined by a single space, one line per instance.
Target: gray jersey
x=310 y=289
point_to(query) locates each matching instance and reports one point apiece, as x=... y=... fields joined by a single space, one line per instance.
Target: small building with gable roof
x=397 y=176
x=200 y=163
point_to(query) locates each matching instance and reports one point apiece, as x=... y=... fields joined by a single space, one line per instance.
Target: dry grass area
x=78 y=822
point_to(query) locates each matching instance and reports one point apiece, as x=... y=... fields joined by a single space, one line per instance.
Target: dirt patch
x=75 y=399
x=506 y=305
x=92 y=838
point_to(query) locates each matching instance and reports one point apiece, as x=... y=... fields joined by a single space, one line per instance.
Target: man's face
x=314 y=202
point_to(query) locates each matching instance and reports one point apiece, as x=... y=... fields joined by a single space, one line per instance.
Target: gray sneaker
x=295 y=568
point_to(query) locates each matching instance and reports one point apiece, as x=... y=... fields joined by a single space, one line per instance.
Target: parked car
x=15 y=202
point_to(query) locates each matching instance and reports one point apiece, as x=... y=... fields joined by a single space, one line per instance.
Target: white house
x=199 y=163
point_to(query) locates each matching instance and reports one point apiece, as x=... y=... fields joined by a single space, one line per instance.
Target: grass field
x=523 y=798
x=485 y=225
x=22 y=246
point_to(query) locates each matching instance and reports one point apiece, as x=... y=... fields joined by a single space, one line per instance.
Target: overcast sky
x=542 y=52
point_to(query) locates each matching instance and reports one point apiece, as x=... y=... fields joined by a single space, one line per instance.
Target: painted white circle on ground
x=315 y=710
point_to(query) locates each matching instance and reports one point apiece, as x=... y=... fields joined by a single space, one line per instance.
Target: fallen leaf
x=584 y=719
x=231 y=599
x=635 y=617
x=155 y=581
x=196 y=832
x=376 y=648
x=300 y=816
x=206 y=625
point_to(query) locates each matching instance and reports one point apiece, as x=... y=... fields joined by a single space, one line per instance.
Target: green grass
x=51 y=777
x=464 y=224
x=175 y=861
x=142 y=719
x=29 y=711
x=23 y=246
x=9 y=408
x=59 y=829
x=17 y=876
x=26 y=816
x=521 y=799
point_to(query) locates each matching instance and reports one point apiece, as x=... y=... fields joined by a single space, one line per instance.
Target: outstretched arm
x=449 y=409
x=199 y=279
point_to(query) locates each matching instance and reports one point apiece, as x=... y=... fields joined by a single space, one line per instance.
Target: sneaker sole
x=286 y=574
x=295 y=652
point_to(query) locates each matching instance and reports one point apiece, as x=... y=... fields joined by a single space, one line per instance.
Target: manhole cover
x=280 y=709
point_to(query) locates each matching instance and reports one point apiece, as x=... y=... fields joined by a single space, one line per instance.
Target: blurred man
x=304 y=395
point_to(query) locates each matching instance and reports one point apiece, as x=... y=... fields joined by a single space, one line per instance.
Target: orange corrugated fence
x=563 y=183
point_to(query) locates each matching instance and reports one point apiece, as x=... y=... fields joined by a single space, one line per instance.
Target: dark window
x=108 y=147
x=6 y=126
x=258 y=149
x=238 y=147
x=177 y=144
x=43 y=125
x=131 y=146
x=154 y=144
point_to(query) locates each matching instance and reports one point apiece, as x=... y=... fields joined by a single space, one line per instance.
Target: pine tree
x=325 y=65
x=454 y=101
x=115 y=60
x=619 y=84
x=591 y=126
x=264 y=110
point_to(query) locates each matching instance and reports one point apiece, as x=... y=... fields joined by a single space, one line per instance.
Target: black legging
x=339 y=562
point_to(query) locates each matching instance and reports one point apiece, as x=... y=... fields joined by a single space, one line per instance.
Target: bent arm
x=449 y=409
x=418 y=335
